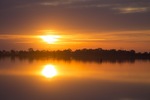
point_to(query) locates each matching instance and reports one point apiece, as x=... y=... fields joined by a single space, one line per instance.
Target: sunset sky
x=75 y=24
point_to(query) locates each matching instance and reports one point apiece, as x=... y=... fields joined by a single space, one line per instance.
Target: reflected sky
x=125 y=72
x=60 y=80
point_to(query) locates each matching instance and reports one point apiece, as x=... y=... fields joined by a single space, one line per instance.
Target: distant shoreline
x=97 y=55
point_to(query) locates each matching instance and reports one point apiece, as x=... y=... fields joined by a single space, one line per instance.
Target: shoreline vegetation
x=97 y=55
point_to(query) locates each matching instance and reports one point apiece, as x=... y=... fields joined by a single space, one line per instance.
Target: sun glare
x=50 y=39
x=49 y=71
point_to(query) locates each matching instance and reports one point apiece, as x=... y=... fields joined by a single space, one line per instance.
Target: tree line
x=98 y=54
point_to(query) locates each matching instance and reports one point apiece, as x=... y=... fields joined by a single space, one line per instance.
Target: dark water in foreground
x=74 y=80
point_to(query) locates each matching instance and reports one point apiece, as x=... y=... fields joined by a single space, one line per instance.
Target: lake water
x=73 y=80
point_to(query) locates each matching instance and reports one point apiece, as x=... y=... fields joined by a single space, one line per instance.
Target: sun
x=49 y=71
x=50 y=39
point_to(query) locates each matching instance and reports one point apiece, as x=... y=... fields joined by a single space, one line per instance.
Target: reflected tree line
x=96 y=55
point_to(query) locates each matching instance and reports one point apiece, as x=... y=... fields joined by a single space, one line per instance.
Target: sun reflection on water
x=49 y=71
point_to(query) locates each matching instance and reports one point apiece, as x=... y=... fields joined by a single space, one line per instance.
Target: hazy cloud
x=16 y=36
x=137 y=36
x=55 y=3
x=60 y=2
x=132 y=9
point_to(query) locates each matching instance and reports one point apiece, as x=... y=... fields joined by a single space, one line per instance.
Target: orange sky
x=107 y=40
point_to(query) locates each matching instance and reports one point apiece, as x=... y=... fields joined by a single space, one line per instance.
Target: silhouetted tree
x=85 y=54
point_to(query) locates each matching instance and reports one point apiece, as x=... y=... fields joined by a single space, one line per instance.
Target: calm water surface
x=73 y=80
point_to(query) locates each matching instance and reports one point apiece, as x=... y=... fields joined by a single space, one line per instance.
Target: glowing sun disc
x=50 y=39
x=49 y=71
